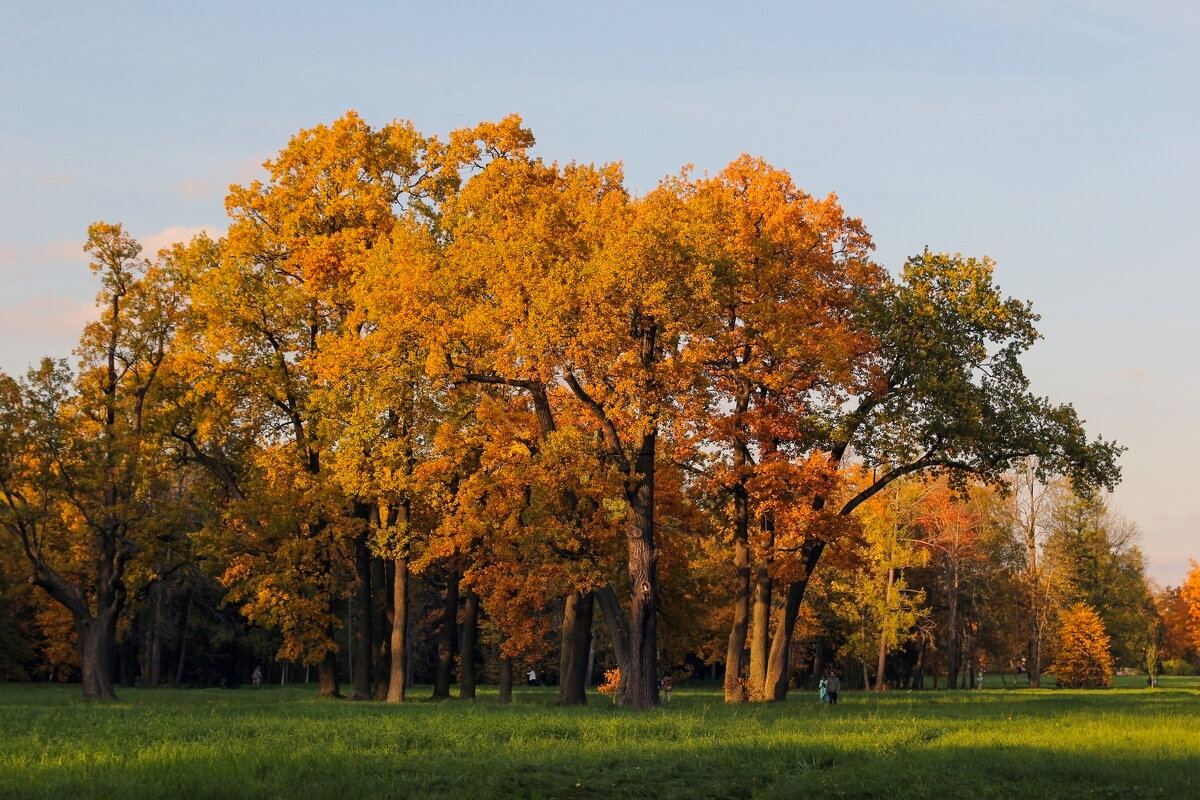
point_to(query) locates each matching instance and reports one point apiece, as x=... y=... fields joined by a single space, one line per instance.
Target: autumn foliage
x=437 y=380
x=1083 y=660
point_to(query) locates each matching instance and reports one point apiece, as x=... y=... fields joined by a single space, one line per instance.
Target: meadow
x=273 y=742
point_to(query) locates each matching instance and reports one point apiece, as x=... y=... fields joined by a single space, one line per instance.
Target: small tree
x=1084 y=660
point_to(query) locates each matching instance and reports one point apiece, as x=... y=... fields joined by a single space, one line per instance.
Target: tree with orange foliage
x=81 y=463
x=1083 y=660
x=1189 y=591
x=787 y=269
x=270 y=302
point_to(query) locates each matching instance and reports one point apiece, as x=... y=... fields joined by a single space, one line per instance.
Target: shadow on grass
x=266 y=745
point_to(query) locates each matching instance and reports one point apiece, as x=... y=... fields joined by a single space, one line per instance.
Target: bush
x=1177 y=666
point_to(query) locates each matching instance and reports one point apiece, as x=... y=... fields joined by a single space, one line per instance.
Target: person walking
x=833 y=685
x=823 y=689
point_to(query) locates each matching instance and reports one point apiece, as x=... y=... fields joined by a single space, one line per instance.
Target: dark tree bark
x=183 y=642
x=446 y=637
x=781 y=645
x=362 y=611
x=639 y=685
x=576 y=647
x=327 y=676
x=505 y=681
x=382 y=608
x=614 y=620
x=466 y=660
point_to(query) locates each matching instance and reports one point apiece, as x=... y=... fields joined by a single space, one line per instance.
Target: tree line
x=430 y=403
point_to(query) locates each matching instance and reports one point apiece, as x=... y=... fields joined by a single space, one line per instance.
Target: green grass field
x=274 y=742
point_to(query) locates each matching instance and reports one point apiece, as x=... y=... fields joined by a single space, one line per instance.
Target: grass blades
x=282 y=742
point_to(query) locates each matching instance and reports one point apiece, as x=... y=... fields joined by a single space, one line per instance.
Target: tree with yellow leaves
x=1083 y=660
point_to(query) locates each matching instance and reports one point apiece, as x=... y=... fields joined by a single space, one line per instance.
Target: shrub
x=1177 y=666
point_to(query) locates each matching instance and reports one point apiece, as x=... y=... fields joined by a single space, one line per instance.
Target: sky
x=1059 y=137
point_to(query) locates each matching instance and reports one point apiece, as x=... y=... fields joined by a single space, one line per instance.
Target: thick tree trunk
x=466 y=649
x=382 y=606
x=446 y=637
x=760 y=633
x=576 y=649
x=614 y=620
x=639 y=686
x=397 y=680
x=96 y=640
x=327 y=677
x=735 y=650
x=781 y=644
x=363 y=656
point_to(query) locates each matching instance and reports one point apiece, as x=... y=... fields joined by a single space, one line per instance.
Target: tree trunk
x=760 y=633
x=576 y=649
x=183 y=627
x=363 y=655
x=505 y=681
x=466 y=649
x=327 y=676
x=639 y=686
x=447 y=637
x=152 y=651
x=781 y=645
x=735 y=650
x=96 y=639
x=881 y=661
x=397 y=680
x=614 y=620
x=952 y=637
x=382 y=605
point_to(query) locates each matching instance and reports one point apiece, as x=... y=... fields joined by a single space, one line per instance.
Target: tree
x=1083 y=660
x=81 y=468
x=1189 y=592
x=943 y=392
x=1095 y=554
x=268 y=305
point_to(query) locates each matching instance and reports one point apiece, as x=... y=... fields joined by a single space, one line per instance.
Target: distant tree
x=1094 y=553
x=1176 y=639
x=1190 y=594
x=1083 y=660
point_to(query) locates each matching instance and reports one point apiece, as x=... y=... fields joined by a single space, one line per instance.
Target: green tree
x=1095 y=555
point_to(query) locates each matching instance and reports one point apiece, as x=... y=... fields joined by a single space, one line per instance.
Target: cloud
x=10 y=255
x=56 y=178
x=194 y=188
x=1131 y=374
x=47 y=320
x=152 y=243
x=62 y=251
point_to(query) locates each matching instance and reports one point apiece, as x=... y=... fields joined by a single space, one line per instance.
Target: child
x=667 y=684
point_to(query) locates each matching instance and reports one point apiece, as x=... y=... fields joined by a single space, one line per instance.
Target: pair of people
x=829 y=687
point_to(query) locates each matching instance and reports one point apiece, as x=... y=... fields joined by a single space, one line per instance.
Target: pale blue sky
x=1060 y=137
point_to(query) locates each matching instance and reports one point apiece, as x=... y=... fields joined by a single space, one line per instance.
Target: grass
x=1125 y=742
